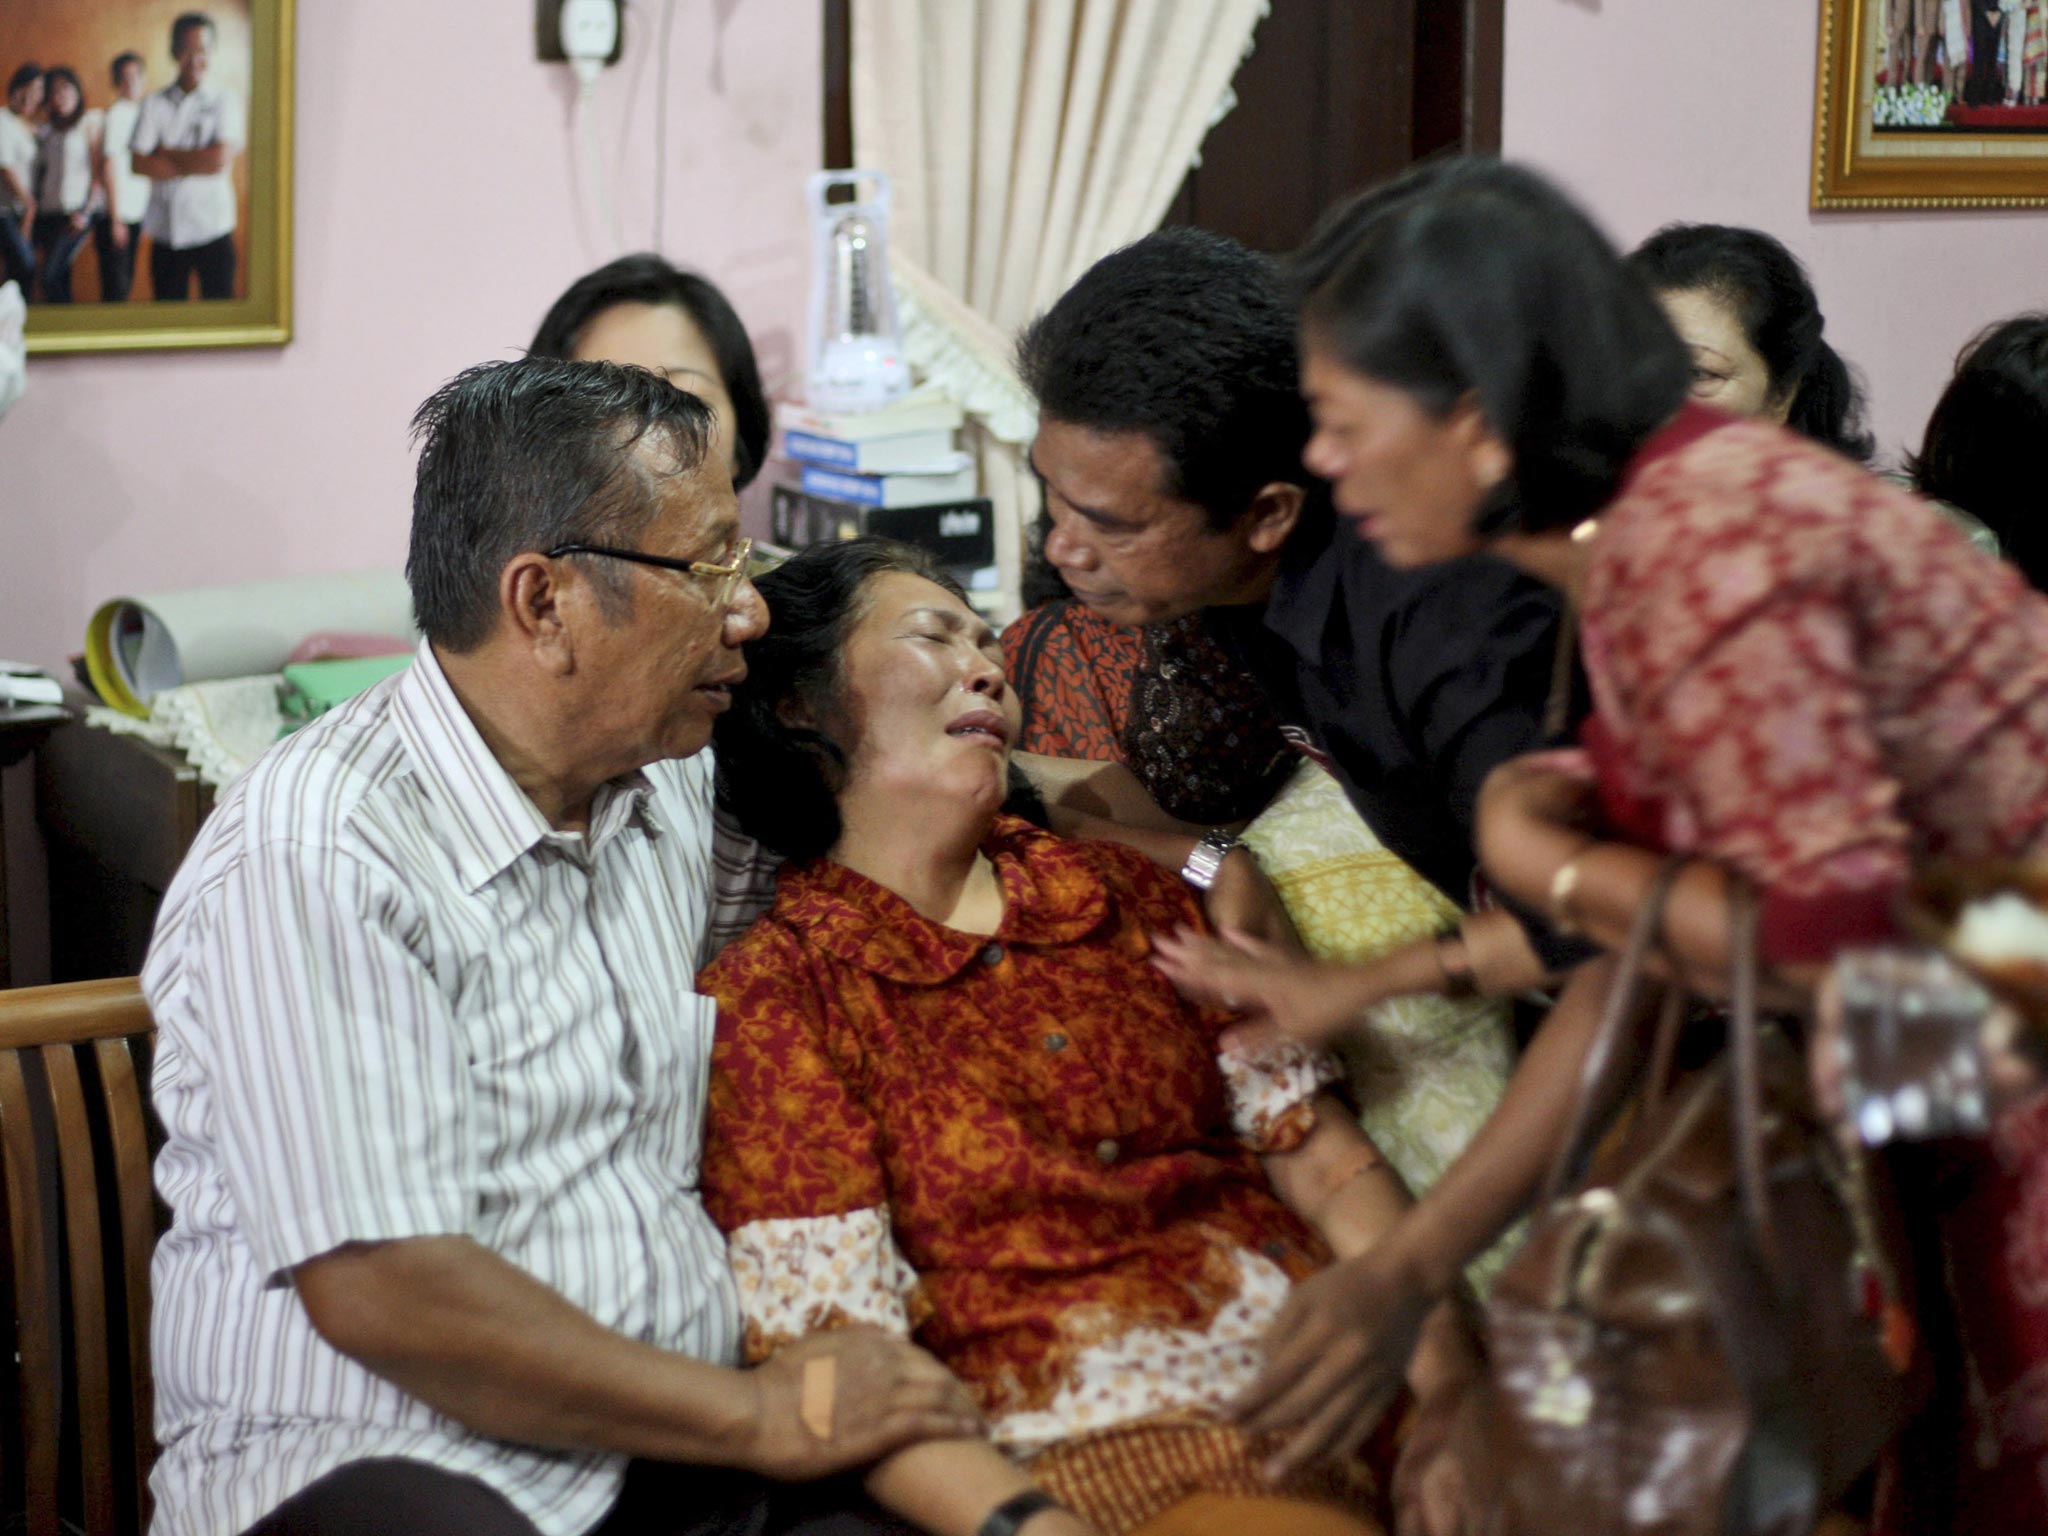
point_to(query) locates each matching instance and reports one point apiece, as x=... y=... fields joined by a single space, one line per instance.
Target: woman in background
x=1983 y=452
x=643 y=311
x=67 y=182
x=1744 y=307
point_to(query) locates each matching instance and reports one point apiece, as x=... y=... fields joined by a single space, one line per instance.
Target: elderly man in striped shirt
x=431 y=1065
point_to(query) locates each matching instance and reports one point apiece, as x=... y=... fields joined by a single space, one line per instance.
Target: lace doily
x=222 y=727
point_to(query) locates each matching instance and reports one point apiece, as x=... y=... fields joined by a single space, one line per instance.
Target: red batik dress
x=1809 y=674
x=1023 y=1147
x=1073 y=672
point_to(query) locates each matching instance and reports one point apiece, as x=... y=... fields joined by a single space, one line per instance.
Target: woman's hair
x=779 y=779
x=1470 y=277
x=1767 y=290
x=647 y=279
x=50 y=78
x=1983 y=444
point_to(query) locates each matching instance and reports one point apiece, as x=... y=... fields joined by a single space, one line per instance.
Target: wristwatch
x=1207 y=858
x=1008 y=1517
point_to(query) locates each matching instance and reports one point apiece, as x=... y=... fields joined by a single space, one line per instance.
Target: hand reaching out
x=1285 y=996
x=1334 y=1359
x=1429 y=1487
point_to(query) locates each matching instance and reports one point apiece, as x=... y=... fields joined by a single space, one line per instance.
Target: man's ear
x=534 y=602
x=1272 y=515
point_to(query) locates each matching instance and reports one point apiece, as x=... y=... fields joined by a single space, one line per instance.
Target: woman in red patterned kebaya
x=1799 y=673
x=951 y=1097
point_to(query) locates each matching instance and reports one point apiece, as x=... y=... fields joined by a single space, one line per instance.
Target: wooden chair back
x=80 y=1218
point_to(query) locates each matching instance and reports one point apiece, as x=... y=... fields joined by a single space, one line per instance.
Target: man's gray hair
x=523 y=456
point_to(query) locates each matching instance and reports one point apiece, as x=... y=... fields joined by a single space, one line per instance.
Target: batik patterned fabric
x=1122 y=1480
x=1805 y=671
x=1810 y=675
x=1022 y=1147
x=1073 y=672
x=1201 y=733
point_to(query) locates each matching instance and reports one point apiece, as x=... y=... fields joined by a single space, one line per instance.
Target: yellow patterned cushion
x=1426 y=1071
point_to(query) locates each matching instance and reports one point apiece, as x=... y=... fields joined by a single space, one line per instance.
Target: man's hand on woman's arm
x=482 y=1341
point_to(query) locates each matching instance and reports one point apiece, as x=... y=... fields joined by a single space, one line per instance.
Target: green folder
x=311 y=688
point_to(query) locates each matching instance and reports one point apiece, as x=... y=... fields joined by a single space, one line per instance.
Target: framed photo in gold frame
x=1932 y=104
x=146 y=171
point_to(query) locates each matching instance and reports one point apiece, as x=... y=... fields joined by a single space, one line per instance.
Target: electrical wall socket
x=547 y=34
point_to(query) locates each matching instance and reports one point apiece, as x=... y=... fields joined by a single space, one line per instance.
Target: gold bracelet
x=1563 y=886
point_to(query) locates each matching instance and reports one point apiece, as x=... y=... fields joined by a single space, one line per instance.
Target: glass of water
x=1912 y=1040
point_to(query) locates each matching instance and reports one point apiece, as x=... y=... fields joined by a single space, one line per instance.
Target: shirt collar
x=494 y=821
x=1051 y=895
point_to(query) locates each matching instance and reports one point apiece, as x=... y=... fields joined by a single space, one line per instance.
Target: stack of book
x=896 y=471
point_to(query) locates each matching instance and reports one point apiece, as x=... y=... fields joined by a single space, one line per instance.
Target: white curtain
x=1026 y=139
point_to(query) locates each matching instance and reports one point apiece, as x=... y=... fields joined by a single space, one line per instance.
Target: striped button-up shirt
x=393 y=1002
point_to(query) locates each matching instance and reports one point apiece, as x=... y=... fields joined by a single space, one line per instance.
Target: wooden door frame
x=1485 y=44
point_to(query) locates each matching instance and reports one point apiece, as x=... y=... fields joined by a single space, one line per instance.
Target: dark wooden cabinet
x=24 y=900
x=116 y=816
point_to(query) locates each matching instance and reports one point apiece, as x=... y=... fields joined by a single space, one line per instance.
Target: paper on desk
x=21 y=683
x=138 y=647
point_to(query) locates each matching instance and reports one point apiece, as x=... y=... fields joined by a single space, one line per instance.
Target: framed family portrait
x=1932 y=104
x=146 y=171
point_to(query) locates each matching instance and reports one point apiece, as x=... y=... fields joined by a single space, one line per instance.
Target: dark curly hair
x=781 y=780
x=1188 y=338
x=1468 y=276
x=1983 y=442
x=647 y=279
x=1769 y=292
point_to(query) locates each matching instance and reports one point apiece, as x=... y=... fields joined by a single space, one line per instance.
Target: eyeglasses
x=727 y=575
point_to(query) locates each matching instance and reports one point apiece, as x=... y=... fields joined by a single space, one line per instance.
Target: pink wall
x=1652 y=111
x=440 y=207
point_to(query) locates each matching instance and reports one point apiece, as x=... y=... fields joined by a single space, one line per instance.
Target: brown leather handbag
x=1690 y=1340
